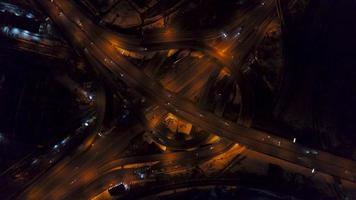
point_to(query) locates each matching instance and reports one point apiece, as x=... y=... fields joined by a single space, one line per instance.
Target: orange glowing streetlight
x=169 y=33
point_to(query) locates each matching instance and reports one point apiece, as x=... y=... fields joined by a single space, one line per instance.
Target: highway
x=81 y=168
x=100 y=53
x=94 y=166
x=158 y=132
x=238 y=43
x=32 y=168
x=113 y=171
x=173 y=40
x=34 y=43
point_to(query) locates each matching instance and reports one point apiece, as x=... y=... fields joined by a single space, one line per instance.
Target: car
x=224 y=35
x=79 y=23
x=143 y=172
x=311 y=151
x=237 y=32
x=314 y=152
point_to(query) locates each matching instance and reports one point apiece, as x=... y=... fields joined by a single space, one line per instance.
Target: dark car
x=118 y=189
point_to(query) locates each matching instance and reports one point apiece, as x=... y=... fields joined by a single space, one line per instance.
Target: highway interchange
x=97 y=45
x=101 y=52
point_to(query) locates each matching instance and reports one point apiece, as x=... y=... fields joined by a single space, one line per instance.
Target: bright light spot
x=65 y=140
x=294 y=140
x=30 y=15
x=35 y=38
x=86 y=124
x=79 y=23
x=73 y=181
x=34 y=161
x=313 y=170
x=126 y=186
x=5 y=29
x=224 y=35
x=15 y=31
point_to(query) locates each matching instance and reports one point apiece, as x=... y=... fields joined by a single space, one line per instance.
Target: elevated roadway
x=105 y=59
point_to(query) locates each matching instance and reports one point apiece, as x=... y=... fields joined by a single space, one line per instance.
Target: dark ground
x=319 y=101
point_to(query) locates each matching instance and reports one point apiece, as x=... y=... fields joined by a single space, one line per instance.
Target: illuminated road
x=81 y=168
x=112 y=66
x=158 y=133
x=24 y=40
x=104 y=58
x=169 y=160
x=164 y=40
x=94 y=166
x=32 y=167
